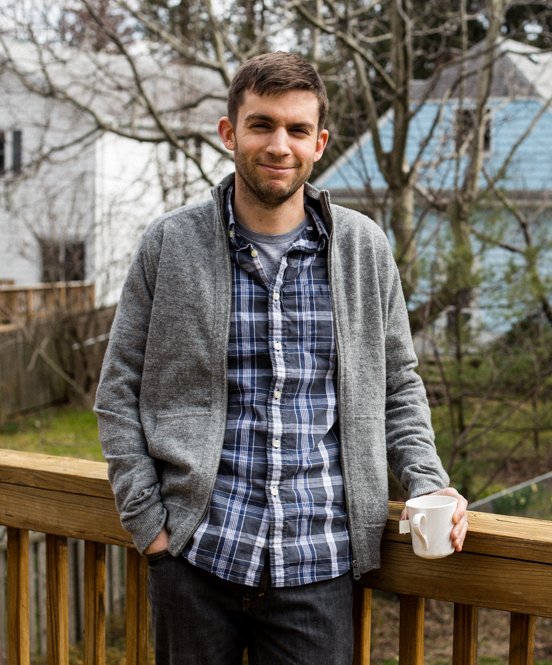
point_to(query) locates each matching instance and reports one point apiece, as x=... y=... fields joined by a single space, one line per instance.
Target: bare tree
x=154 y=72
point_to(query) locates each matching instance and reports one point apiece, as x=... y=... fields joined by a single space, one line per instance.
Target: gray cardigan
x=161 y=401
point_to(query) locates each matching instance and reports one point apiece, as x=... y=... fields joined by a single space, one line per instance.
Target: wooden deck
x=506 y=565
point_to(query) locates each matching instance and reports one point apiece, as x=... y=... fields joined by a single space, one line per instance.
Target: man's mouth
x=277 y=168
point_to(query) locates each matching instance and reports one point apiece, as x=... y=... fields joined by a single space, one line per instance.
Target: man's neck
x=275 y=221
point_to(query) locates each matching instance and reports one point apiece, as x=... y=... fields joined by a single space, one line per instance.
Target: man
x=259 y=380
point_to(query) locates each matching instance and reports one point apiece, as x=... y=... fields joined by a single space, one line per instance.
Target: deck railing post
x=57 y=600
x=18 y=597
x=522 y=639
x=411 y=637
x=362 y=624
x=137 y=627
x=94 y=603
x=464 y=648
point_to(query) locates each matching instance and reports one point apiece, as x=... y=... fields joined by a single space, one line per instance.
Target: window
x=62 y=261
x=466 y=120
x=193 y=145
x=16 y=151
x=173 y=152
x=17 y=145
x=198 y=148
x=2 y=152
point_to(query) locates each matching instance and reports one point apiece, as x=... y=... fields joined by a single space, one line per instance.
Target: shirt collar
x=320 y=230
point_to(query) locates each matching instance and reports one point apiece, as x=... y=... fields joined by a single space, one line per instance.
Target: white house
x=93 y=146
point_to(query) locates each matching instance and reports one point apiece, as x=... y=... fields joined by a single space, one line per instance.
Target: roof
x=520 y=70
x=522 y=87
x=109 y=85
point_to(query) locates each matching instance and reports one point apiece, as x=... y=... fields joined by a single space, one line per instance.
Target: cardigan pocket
x=179 y=439
x=369 y=470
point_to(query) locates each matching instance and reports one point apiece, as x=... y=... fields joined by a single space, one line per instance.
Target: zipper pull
x=356 y=570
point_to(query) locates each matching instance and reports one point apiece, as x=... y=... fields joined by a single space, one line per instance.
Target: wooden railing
x=19 y=304
x=66 y=498
x=506 y=565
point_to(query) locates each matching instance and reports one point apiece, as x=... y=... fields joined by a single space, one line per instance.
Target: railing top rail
x=506 y=564
x=513 y=537
x=58 y=495
x=491 y=534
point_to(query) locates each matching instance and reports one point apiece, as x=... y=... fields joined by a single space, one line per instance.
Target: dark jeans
x=199 y=619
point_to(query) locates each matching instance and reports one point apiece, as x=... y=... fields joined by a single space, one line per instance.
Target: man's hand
x=160 y=544
x=459 y=519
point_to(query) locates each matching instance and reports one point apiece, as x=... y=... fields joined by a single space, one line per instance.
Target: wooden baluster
x=411 y=639
x=29 y=307
x=18 y=597
x=62 y=299
x=94 y=603
x=522 y=639
x=464 y=650
x=363 y=624
x=57 y=600
x=136 y=609
x=9 y=302
x=14 y=306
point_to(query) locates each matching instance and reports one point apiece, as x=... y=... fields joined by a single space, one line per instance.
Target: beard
x=265 y=191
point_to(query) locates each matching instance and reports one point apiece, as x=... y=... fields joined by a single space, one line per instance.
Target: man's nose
x=278 y=144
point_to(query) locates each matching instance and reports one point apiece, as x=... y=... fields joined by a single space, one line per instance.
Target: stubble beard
x=260 y=192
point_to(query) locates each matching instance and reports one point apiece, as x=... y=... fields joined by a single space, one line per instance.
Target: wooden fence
x=506 y=565
x=27 y=382
x=46 y=361
x=21 y=304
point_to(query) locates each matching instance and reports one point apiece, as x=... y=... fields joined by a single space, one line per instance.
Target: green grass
x=67 y=431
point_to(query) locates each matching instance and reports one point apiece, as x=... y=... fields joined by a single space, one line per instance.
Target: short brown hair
x=272 y=74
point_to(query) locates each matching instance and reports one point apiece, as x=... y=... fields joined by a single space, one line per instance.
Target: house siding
x=53 y=195
x=529 y=170
x=101 y=191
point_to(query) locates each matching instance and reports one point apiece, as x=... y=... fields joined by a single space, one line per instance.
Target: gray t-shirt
x=271 y=247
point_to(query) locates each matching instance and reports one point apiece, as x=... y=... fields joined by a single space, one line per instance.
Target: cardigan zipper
x=328 y=217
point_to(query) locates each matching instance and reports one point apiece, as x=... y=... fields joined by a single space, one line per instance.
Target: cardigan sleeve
x=131 y=469
x=411 y=451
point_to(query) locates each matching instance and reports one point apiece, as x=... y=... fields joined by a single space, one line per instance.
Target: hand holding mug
x=437 y=522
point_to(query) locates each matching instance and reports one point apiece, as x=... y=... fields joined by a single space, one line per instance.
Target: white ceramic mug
x=430 y=523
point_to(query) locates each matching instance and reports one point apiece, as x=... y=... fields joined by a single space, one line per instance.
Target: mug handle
x=417 y=523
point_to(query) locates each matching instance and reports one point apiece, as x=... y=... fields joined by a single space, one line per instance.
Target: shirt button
x=276 y=296
x=276 y=443
x=278 y=346
x=277 y=394
x=274 y=490
x=254 y=253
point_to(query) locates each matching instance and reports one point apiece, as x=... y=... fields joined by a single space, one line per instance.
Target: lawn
x=64 y=430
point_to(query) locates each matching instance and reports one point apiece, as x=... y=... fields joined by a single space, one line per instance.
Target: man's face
x=276 y=141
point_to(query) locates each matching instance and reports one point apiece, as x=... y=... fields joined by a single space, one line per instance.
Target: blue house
x=512 y=218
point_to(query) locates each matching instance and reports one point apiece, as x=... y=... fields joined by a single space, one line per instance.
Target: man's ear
x=226 y=133
x=321 y=143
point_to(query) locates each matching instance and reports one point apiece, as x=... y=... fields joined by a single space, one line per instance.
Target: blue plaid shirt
x=279 y=489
